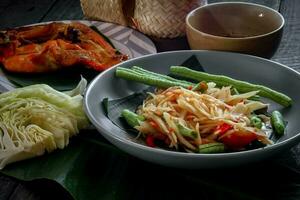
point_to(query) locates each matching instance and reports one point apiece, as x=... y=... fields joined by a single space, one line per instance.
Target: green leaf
x=114 y=107
x=193 y=63
x=62 y=80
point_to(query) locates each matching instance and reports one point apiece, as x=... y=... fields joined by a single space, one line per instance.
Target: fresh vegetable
x=277 y=123
x=190 y=118
x=187 y=132
x=234 y=91
x=241 y=86
x=142 y=77
x=154 y=125
x=213 y=116
x=255 y=98
x=223 y=128
x=238 y=139
x=150 y=141
x=131 y=118
x=212 y=148
x=162 y=76
x=202 y=87
x=38 y=119
x=256 y=122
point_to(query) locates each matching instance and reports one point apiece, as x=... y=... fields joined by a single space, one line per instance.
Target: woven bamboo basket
x=159 y=18
x=163 y=18
x=104 y=10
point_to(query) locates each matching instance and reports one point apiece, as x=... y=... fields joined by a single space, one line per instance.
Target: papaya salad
x=214 y=114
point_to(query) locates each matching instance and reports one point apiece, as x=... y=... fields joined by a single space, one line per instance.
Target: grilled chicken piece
x=50 y=47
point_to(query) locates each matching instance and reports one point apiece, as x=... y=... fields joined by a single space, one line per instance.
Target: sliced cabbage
x=38 y=119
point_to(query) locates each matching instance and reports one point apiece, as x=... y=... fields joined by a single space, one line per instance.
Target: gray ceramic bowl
x=240 y=66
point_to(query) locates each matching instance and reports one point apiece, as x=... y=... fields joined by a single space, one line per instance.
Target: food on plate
x=38 y=119
x=277 y=122
x=150 y=78
x=54 y=46
x=241 y=86
x=218 y=114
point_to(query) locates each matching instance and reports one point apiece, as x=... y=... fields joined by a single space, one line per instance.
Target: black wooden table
x=22 y=12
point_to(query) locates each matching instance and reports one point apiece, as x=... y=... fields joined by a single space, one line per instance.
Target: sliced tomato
x=150 y=141
x=238 y=139
x=223 y=128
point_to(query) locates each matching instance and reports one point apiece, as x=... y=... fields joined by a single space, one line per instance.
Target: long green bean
x=185 y=131
x=132 y=118
x=157 y=81
x=162 y=76
x=277 y=122
x=256 y=122
x=211 y=148
x=241 y=86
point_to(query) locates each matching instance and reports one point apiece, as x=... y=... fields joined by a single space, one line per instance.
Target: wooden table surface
x=22 y=12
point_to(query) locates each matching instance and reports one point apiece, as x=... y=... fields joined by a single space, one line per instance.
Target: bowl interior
x=235 y=20
x=252 y=69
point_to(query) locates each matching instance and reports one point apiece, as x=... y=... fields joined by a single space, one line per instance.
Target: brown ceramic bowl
x=235 y=26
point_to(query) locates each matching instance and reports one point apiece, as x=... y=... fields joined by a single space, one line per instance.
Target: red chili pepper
x=190 y=87
x=150 y=141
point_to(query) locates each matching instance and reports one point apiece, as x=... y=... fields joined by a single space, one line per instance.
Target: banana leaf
x=63 y=80
x=91 y=168
x=88 y=170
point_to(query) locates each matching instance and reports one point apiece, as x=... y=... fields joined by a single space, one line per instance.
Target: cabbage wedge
x=38 y=119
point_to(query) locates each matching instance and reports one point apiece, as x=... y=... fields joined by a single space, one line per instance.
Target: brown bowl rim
x=235 y=38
